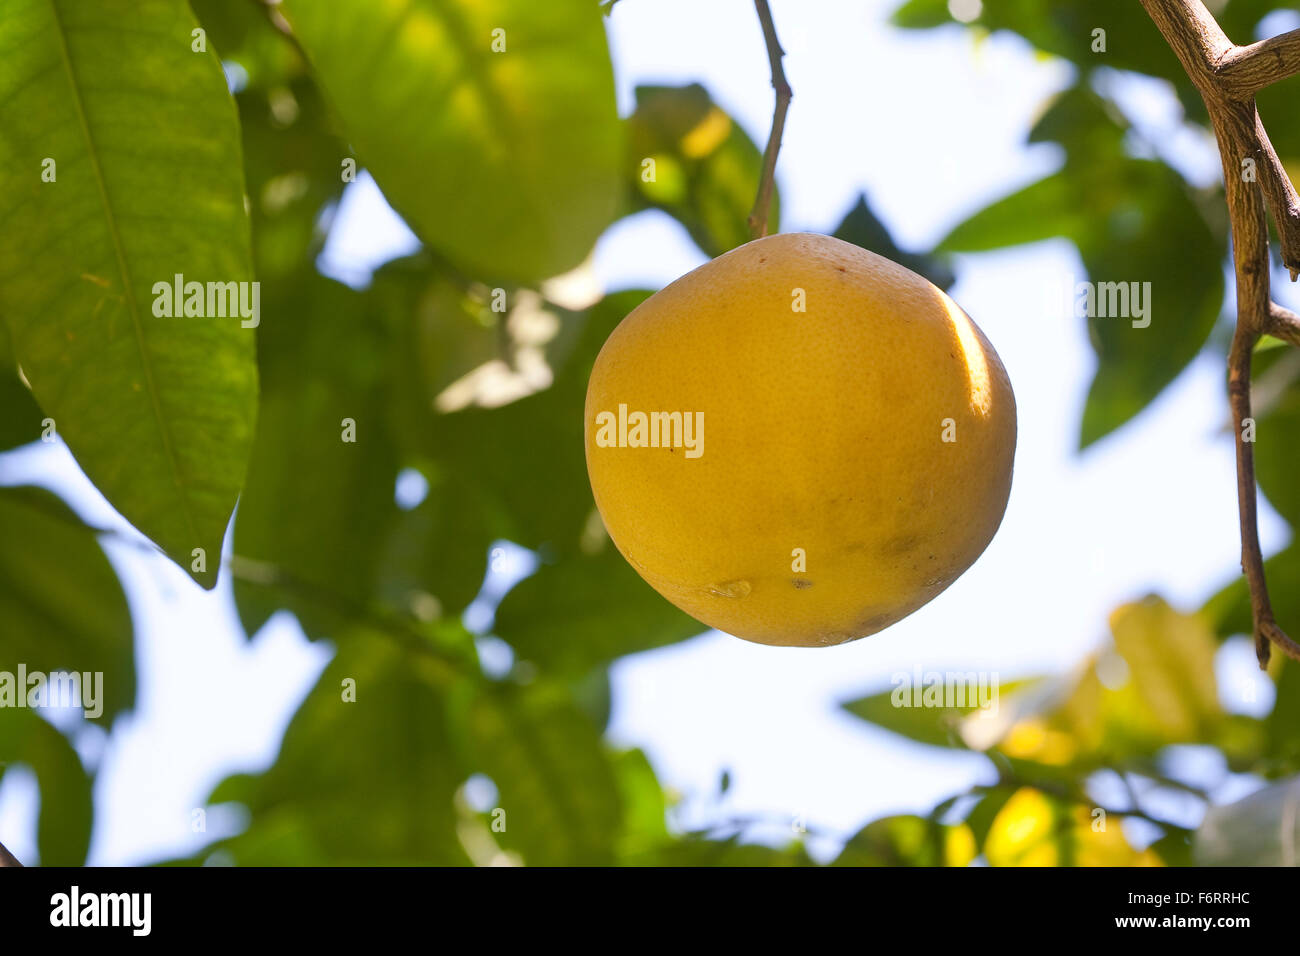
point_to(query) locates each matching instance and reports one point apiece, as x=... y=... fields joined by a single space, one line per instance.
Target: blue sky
x=931 y=126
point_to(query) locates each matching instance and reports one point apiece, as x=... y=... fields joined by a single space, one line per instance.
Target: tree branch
x=1283 y=201
x=1245 y=70
x=763 y=201
x=1209 y=56
x=7 y=858
x=1283 y=324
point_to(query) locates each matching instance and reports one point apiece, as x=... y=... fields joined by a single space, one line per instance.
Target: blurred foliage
x=687 y=157
x=461 y=371
x=516 y=201
x=1133 y=205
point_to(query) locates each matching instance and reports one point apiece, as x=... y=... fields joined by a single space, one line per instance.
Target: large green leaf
x=557 y=786
x=158 y=411
x=67 y=812
x=588 y=610
x=364 y=781
x=506 y=162
x=61 y=605
x=317 y=508
x=706 y=168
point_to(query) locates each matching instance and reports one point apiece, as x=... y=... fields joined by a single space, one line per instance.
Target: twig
x=763 y=201
x=1245 y=70
x=1282 y=200
x=1228 y=77
x=1283 y=324
x=7 y=858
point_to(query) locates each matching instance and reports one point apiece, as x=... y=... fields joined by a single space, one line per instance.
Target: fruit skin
x=822 y=431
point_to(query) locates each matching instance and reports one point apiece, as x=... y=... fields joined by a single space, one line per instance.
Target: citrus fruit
x=800 y=442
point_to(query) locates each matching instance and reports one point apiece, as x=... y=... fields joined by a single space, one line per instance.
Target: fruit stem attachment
x=763 y=201
x=1227 y=77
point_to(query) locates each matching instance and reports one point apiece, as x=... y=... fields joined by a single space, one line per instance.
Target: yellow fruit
x=854 y=458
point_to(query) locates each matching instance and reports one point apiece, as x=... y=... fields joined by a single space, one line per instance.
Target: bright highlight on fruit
x=800 y=442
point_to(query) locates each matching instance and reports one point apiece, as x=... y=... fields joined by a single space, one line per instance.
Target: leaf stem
x=763 y=201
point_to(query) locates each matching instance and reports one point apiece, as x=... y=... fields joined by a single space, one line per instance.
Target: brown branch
x=763 y=201
x=1283 y=324
x=1245 y=70
x=7 y=858
x=1209 y=56
x=1282 y=200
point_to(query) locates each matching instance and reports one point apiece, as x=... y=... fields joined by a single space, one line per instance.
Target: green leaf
x=1065 y=28
x=557 y=786
x=1229 y=609
x=67 y=811
x=292 y=151
x=861 y=227
x=369 y=781
x=62 y=606
x=1278 y=432
x=899 y=711
x=20 y=416
x=1170 y=658
x=527 y=457
x=506 y=162
x=908 y=840
x=1156 y=688
x=317 y=507
x=158 y=411
x=1153 y=303
x=706 y=168
x=588 y=610
x=1282 y=727
x=644 y=802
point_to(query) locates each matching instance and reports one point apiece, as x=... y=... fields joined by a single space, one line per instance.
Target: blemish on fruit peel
x=732 y=589
x=651 y=430
x=981 y=390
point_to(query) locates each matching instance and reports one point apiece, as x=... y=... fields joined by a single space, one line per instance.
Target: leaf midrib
x=132 y=306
